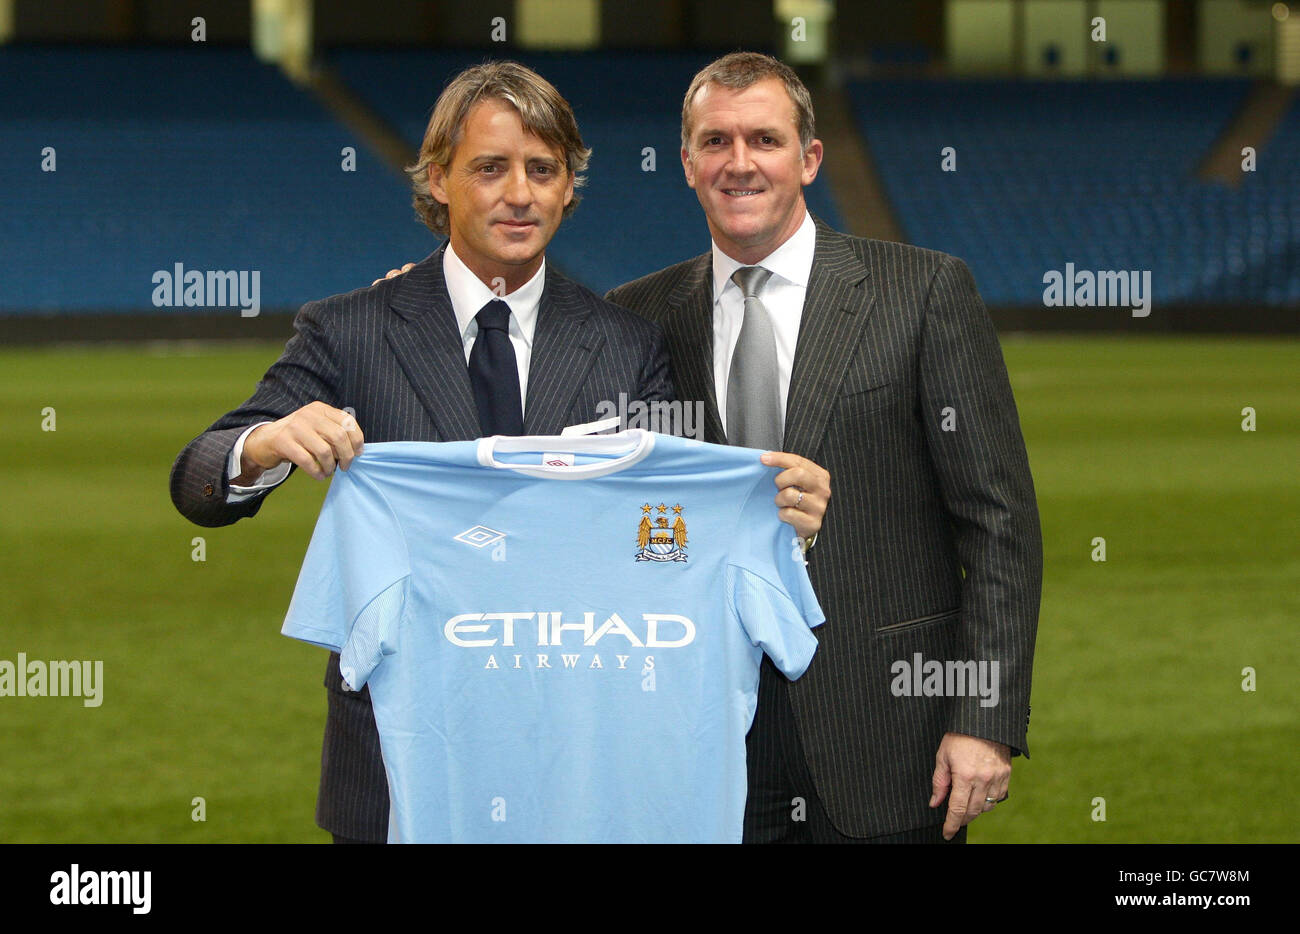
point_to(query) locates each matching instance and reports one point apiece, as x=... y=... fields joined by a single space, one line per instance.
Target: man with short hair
x=480 y=338
x=878 y=361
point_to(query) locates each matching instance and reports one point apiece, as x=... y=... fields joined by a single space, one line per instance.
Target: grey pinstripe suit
x=393 y=353
x=890 y=336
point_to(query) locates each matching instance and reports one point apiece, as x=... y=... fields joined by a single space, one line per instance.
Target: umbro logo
x=480 y=536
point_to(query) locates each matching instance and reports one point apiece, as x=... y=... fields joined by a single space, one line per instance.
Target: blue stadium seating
x=1100 y=174
x=199 y=156
x=205 y=157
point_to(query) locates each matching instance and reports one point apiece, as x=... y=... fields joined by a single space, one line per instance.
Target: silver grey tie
x=753 y=384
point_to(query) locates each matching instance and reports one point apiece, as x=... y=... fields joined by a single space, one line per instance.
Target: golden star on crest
x=678 y=509
x=662 y=508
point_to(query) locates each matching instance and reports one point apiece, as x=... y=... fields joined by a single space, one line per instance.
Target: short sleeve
x=351 y=590
x=767 y=579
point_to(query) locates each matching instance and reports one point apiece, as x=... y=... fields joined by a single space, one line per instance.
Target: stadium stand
x=205 y=158
x=1100 y=174
x=217 y=162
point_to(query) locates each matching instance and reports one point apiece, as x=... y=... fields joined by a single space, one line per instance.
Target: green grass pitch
x=1137 y=699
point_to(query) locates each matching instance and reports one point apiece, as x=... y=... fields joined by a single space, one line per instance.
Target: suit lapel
x=563 y=351
x=836 y=307
x=428 y=346
x=689 y=330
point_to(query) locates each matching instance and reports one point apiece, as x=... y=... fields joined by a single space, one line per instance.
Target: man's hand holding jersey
x=803 y=492
x=316 y=437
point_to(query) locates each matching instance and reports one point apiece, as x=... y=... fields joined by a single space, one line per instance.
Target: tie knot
x=495 y=315
x=750 y=279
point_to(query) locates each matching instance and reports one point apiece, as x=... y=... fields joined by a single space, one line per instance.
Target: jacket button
x=207 y=489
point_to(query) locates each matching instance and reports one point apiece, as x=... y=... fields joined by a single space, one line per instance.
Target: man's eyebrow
x=757 y=131
x=493 y=157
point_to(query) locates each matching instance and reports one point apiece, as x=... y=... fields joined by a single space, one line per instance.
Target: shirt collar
x=469 y=294
x=792 y=260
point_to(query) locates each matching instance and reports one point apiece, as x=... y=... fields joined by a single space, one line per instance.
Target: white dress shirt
x=468 y=296
x=783 y=295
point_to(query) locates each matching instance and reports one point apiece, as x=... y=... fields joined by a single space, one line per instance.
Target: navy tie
x=494 y=374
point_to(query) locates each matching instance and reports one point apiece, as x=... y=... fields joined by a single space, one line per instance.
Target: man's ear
x=688 y=168
x=812 y=160
x=437 y=178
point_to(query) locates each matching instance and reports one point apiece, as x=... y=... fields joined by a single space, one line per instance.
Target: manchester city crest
x=656 y=538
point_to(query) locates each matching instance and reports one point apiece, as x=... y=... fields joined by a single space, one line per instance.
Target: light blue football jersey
x=561 y=636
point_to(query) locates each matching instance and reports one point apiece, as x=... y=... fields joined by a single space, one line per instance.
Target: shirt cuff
x=269 y=478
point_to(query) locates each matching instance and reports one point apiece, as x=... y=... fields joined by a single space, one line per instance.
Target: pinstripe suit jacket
x=891 y=338
x=393 y=352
